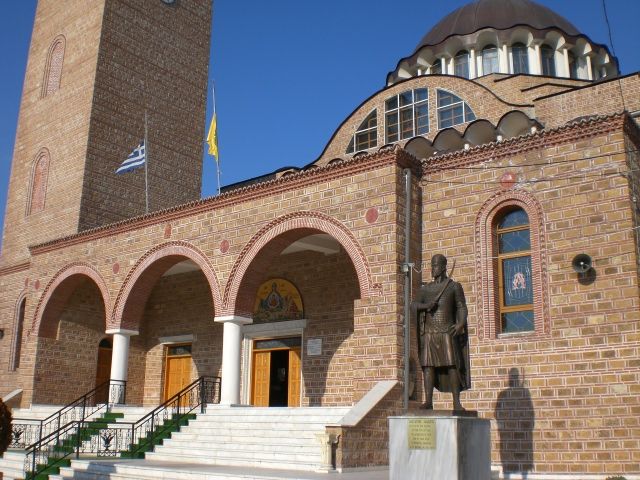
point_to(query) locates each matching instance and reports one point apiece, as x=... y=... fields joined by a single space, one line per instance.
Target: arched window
x=39 y=178
x=406 y=115
x=548 y=57
x=452 y=110
x=436 y=68
x=513 y=240
x=461 y=64
x=16 y=346
x=53 y=67
x=520 y=58
x=573 y=66
x=490 y=61
x=366 y=136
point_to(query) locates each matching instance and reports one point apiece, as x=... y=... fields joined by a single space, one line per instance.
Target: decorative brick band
x=18 y=267
x=143 y=265
x=315 y=221
x=57 y=293
x=486 y=253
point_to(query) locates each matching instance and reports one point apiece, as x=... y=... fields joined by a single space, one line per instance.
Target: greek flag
x=134 y=160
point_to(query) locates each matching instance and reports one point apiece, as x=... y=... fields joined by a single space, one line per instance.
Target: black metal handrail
x=26 y=431
x=111 y=441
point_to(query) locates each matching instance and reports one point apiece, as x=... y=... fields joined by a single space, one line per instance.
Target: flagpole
x=213 y=88
x=146 y=161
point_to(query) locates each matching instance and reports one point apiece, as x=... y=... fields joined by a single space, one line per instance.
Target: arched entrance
x=300 y=287
x=169 y=303
x=70 y=324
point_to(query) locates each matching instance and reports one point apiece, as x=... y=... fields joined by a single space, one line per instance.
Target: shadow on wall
x=515 y=416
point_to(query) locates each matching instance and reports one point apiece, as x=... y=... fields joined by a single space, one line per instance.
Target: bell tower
x=93 y=71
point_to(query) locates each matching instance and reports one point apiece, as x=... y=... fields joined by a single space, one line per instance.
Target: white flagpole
x=146 y=161
x=213 y=88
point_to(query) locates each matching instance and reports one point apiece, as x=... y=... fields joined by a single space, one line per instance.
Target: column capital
x=122 y=331
x=233 y=319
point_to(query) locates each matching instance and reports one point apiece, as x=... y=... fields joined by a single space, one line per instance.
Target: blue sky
x=288 y=72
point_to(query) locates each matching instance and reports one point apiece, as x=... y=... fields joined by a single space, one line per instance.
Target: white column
x=119 y=363
x=589 y=67
x=443 y=66
x=473 y=70
x=538 y=62
x=565 y=58
x=231 y=349
x=503 y=57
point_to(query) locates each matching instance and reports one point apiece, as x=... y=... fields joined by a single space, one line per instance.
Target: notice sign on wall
x=314 y=347
x=422 y=434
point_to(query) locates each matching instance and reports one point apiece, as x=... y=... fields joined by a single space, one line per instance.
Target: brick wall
x=572 y=404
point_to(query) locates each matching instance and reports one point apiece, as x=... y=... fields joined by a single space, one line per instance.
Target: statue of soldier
x=441 y=314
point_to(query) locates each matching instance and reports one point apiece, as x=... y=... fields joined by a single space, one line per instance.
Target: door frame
x=265 y=331
x=165 y=367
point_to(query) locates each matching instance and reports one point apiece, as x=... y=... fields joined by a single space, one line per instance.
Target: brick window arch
x=39 y=179
x=53 y=67
x=16 y=346
x=511 y=215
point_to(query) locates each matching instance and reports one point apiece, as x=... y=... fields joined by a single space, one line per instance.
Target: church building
x=507 y=140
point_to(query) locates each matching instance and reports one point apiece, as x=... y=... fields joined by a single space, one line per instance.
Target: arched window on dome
x=436 y=68
x=490 y=60
x=53 y=67
x=461 y=64
x=452 y=110
x=406 y=115
x=513 y=240
x=573 y=65
x=548 y=58
x=366 y=135
x=39 y=179
x=520 y=58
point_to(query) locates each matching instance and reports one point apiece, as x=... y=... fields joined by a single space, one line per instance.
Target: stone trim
x=177 y=248
x=293 y=221
x=15 y=268
x=78 y=268
x=486 y=271
x=385 y=156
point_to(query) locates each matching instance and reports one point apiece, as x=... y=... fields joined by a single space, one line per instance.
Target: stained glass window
x=515 y=276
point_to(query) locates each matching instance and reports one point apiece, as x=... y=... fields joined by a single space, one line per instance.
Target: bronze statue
x=443 y=342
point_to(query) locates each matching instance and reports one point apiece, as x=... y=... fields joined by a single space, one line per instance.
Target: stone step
x=241 y=436
x=12 y=464
x=303 y=464
x=154 y=470
x=244 y=449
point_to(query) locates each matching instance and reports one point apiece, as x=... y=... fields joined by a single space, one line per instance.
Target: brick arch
x=53 y=67
x=39 y=180
x=63 y=284
x=486 y=252
x=19 y=317
x=147 y=271
x=289 y=228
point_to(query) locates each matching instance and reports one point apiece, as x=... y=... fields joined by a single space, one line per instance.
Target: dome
x=497 y=14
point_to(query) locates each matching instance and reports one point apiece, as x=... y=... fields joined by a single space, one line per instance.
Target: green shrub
x=5 y=427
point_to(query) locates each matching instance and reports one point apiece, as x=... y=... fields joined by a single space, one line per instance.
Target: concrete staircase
x=12 y=462
x=231 y=438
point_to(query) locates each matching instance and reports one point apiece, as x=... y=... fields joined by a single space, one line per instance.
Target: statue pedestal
x=439 y=446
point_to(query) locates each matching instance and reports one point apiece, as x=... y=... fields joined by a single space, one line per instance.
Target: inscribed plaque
x=421 y=434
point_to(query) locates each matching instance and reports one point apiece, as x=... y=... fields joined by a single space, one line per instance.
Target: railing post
x=78 y=436
x=124 y=392
x=203 y=395
x=33 y=466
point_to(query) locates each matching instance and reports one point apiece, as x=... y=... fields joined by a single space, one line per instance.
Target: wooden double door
x=276 y=373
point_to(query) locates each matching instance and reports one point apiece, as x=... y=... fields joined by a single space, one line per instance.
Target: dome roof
x=498 y=14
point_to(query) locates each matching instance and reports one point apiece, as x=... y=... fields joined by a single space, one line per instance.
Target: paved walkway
x=168 y=470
